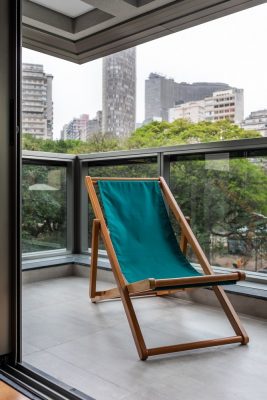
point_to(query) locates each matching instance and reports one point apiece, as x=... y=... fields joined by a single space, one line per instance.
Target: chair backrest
x=141 y=232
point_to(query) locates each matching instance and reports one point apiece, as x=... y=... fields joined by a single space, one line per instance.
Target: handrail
x=184 y=149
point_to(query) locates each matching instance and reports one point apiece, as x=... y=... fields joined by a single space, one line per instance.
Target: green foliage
x=182 y=131
x=97 y=143
x=155 y=134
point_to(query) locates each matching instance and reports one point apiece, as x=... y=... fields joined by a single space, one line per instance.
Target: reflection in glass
x=226 y=199
x=43 y=208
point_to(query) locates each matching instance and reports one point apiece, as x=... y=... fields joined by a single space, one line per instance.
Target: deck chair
x=145 y=256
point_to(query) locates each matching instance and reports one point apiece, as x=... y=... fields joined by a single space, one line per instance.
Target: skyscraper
x=162 y=93
x=37 y=103
x=119 y=93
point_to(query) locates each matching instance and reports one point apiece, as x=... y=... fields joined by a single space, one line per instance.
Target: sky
x=231 y=49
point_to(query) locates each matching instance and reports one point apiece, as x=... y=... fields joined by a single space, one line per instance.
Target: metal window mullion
x=70 y=173
x=80 y=210
x=84 y=226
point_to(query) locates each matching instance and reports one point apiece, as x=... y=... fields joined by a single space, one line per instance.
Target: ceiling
x=83 y=30
x=70 y=8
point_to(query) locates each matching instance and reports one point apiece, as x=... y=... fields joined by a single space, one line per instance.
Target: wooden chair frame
x=149 y=287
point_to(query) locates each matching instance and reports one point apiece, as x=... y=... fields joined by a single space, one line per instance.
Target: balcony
x=89 y=348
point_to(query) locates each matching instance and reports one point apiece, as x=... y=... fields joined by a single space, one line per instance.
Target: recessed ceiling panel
x=71 y=8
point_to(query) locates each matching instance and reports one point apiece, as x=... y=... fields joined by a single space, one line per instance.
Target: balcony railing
x=221 y=186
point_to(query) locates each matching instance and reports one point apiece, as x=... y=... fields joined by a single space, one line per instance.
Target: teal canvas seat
x=145 y=256
x=141 y=232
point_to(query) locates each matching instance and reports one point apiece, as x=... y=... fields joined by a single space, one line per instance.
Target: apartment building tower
x=76 y=129
x=37 y=102
x=225 y=104
x=119 y=93
x=163 y=93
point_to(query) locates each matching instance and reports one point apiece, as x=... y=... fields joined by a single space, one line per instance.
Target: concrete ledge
x=247 y=298
x=42 y=274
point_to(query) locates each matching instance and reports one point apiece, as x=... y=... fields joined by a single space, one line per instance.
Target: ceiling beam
x=35 y=12
x=118 y=8
x=159 y=22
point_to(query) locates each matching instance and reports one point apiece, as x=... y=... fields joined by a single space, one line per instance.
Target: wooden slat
x=94 y=257
x=141 y=286
x=96 y=179
x=194 y=345
x=151 y=284
x=183 y=240
x=8 y=393
x=204 y=279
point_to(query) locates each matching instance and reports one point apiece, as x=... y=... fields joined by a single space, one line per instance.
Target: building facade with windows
x=193 y=111
x=76 y=129
x=94 y=125
x=37 y=102
x=257 y=121
x=119 y=93
x=163 y=93
x=225 y=104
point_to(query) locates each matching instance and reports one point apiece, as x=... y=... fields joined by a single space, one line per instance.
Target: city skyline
x=223 y=50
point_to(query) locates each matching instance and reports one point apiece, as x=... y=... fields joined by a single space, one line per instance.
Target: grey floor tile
x=90 y=346
x=89 y=383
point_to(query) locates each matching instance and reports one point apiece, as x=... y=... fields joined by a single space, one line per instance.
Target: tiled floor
x=90 y=347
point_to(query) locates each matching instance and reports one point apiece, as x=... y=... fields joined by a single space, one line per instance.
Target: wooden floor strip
x=8 y=393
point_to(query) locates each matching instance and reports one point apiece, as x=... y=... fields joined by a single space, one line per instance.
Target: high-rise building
x=225 y=104
x=257 y=120
x=76 y=128
x=37 y=103
x=94 y=125
x=162 y=93
x=119 y=93
x=159 y=96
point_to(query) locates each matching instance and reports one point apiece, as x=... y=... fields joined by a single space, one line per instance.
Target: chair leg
x=231 y=313
x=134 y=325
x=94 y=256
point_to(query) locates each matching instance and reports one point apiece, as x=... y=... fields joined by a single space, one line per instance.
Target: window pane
x=226 y=199
x=44 y=220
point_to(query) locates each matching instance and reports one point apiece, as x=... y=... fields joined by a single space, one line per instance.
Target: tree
x=182 y=131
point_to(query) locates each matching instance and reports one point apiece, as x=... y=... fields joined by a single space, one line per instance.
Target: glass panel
x=140 y=168
x=226 y=199
x=44 y=208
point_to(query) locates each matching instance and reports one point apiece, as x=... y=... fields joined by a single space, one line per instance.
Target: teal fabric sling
x=141 y=232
